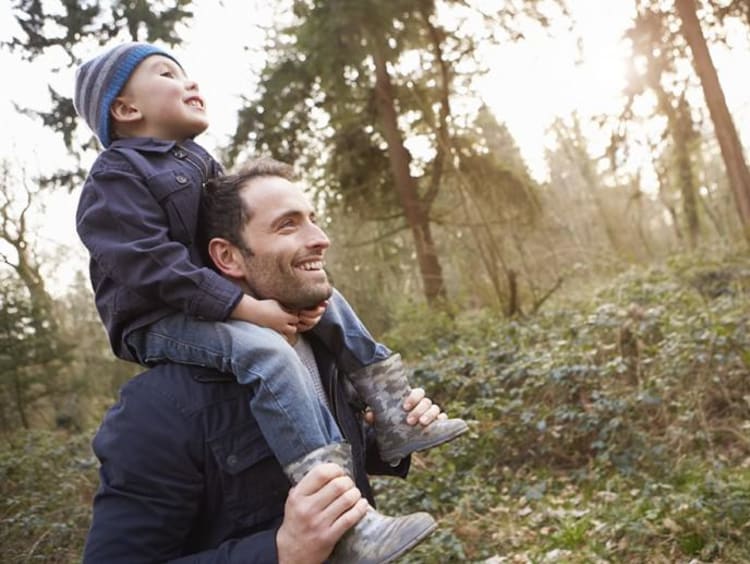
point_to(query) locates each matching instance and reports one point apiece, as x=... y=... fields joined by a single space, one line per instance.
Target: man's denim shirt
x=138 y=217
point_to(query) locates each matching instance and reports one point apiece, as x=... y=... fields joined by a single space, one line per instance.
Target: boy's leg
x=284 y=401
x=346 y=336
x=376 y=537
x=298 y=428
x=380 y=379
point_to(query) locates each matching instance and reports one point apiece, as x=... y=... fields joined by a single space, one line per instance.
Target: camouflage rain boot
x=383 y=386
x=376 y=539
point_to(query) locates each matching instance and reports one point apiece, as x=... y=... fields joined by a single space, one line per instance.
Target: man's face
x=288 y=247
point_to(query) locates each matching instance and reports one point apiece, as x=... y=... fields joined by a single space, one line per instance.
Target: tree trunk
x=726 y=133
x=683 y=135
x=20 y=402
x=579 y=158
x=416 y=213
x=686 y=176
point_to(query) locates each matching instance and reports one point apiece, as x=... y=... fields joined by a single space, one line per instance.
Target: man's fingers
x=349 y=518
x=342 y=501
x=318 y=477
x=419 y=411
x=369 y=416
x=333 y=491
x=415 y=396
x=430 y=415
x=327 y=496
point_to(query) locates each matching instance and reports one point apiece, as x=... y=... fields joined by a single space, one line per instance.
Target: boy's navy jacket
x=138 y=217
x=186 y=475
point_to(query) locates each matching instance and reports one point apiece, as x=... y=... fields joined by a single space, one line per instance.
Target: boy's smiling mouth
x=195 y=102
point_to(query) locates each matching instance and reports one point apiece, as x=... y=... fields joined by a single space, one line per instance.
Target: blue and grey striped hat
x=100 y=80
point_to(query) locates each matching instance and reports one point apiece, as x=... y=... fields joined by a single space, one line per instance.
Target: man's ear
x=227 y=257
x=123 y=111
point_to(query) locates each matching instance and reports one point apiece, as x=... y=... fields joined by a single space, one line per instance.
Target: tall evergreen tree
x=352 y=87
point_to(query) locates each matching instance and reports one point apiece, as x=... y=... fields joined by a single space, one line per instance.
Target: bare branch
x=382 y=237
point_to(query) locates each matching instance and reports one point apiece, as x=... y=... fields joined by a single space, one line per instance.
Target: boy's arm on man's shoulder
x=141 y=243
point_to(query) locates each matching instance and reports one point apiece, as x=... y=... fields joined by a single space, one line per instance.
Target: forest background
x=588 y=313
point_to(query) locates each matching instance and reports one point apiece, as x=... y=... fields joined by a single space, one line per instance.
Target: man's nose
x=318 y=237
x=191 y=84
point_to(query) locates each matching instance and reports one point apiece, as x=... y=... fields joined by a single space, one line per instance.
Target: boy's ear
x=227 y=257
x=123 y=111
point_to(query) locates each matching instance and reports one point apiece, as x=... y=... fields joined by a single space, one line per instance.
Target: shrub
x=622 y=396
x=47 y=482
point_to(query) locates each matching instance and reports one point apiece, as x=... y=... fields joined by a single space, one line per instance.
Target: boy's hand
x=269 y=313
x=308 y=318
x=266 y=313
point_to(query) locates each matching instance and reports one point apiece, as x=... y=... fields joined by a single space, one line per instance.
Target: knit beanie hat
x=100 y=80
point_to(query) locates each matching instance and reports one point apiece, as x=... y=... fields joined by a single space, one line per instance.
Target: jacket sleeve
x=152 y=487
x=126 y=231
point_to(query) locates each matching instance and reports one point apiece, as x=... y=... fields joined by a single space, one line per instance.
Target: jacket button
x=181 y=178
x=232 y=460
x=180 y=154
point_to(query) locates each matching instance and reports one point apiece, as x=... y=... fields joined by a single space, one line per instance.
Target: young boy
x=159 y=301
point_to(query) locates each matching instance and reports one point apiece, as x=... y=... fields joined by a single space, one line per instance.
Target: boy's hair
x=223 y=212
x=101 y=79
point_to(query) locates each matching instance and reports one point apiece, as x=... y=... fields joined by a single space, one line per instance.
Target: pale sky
x=529 y=84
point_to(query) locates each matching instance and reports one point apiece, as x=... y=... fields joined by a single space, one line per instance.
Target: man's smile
x=310 y=265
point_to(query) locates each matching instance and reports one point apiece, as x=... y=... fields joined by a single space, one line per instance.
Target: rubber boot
x=376 y=539
x=383 y=386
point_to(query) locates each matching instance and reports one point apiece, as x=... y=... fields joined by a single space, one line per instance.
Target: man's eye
x=167 y=74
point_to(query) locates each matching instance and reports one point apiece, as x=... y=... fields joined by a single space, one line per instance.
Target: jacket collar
x=145 y=144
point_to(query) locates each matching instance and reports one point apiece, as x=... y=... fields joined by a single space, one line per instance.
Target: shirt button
x=181 y=179
x=232 y=460
x=180 y=154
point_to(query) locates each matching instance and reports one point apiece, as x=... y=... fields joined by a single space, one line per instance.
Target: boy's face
x=160 y=101
x=287 y=247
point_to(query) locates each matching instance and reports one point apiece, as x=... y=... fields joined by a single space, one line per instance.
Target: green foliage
x=616 y=429
x=47 y=482
x=32 y=353
x=419 y=329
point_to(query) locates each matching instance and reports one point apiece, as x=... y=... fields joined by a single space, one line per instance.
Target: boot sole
x=396 y=455
x=410 y=545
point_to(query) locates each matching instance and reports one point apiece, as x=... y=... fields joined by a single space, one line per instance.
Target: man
x=186 y=474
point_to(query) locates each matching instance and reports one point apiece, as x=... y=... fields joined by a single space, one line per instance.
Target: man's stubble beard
x=269 y=279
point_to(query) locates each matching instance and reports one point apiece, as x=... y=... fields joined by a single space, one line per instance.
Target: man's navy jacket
x=186 y=475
